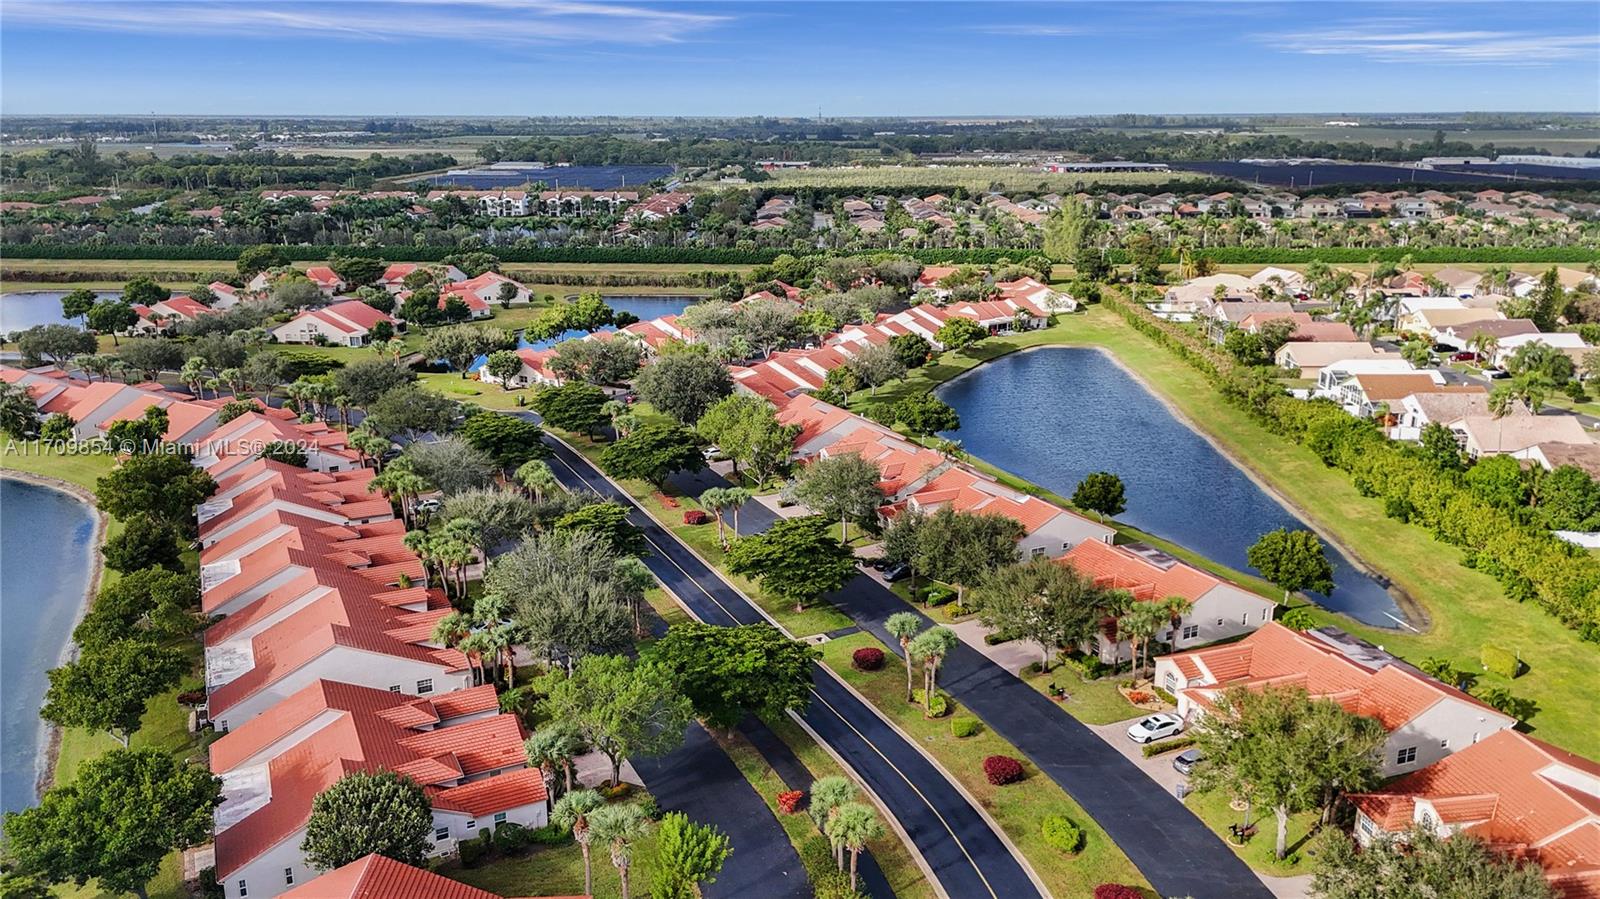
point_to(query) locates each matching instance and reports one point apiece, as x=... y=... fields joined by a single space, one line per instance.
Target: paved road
x=966 y=855
x=700 y=780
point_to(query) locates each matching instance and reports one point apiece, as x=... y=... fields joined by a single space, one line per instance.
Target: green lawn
x=558 y=870
x=1017 y=808
x=1466 y=608
x=1092 y=702
x=1259 y=851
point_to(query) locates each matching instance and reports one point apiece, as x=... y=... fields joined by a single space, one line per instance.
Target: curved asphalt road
x=967 y=856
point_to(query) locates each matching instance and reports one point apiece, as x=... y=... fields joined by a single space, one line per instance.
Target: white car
x=429 y=505
x=1155 y=727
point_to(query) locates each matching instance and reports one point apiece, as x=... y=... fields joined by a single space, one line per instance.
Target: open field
x=1467 y=608
x=1573 y=141
x=971 y=178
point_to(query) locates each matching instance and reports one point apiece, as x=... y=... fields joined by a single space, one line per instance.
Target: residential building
x=379 y=877
x=1426 y=720
x=1418 y=410
x=1551 y=456
x=349 y=323
x=1486 y=435
x=1311 y=357
x=1221 y=609
x=535 y=370
x=1522 y=797
x=326 y=279
x=1047 y=530
x=394 y=277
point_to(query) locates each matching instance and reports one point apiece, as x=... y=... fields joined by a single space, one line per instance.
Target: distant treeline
x=733 y=256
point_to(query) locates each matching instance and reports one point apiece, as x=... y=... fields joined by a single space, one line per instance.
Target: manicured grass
x=558 y=870
x=1259 y=852
x=1466 y=608
x=1017 y=808
x=1092 y=702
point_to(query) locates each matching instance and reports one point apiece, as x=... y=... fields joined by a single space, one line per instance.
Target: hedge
x=1151 y=750
x=1499 y=661
x=867 y=658
x=963 y=726
x=1528 y=561
x=1060 y=833
x=735 y=256
x=1002 y=769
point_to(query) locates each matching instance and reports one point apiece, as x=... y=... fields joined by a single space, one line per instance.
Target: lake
x=646 y=307
x=1055 y=415
x=572 y=177
x=19 y=311
x=46 y=560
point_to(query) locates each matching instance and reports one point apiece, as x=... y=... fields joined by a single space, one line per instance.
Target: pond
x=46 y=559
x=645 y=307
x=19 y=311
x=1057 y=414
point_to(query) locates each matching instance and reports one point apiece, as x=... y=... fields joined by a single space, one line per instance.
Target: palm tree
x=400 y=482
x=828 y=794
x=451 y=632
x=931 y=646
x=193 y=375
x=613 y=409
x=369 y=445
x=1176 y=607
x=716 y=499
x=854 y=824
x=619 y=827
x=553 y=747
x=736 y=497
x=1139 y=624
x=536 y=477
x=574 y=810
x=903 y=626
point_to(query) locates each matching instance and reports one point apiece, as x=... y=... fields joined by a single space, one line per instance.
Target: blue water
x=19 y=311
x=644 y=307
x=1055 y=415
x=575 y=177
x=46 y=554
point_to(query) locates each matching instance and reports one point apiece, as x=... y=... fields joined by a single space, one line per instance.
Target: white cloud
x=502 y=21
x=1033 y=30
x=1410 y=41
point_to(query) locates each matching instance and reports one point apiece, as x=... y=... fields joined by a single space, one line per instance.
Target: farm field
x=970 y=178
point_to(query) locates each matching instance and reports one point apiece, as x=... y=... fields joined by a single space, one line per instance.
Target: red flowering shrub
x=1139 y=696
x=789 y=800
x=1002 y=770
x=867 y=658
x=696 y=516
x=1116 y=891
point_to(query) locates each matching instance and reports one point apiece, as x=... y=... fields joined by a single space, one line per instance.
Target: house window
x=1244 y=620
x=1219 y=622
x=288 y=876
x=1172 y=682
x=1367 y=827
x=1444 y=744
x=472 y=823
x=499 y=818
x=244 y=890
x=425 y=686
x=1265 y=613
x=394 y=688
x=1427 y=819
x=1191 y=631
x=440 y=834
x=1406 y=756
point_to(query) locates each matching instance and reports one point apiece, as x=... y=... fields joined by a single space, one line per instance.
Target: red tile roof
x=1115 y=566
x=378 y=877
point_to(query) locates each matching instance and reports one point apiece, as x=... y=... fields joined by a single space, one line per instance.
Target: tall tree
x=683 y=384
x=746 y=429
x=843 y=488
x=731 y=672
x=904 y=626
x=621 y=707
x=652 y=453
x=796 y=559
x=962 y=548
x=116 y=822
x=366 y=812
x=571 y=407
x=507 y=439
x=107 y=687
x=619 y=828
x=855 y=825
x=687 y=855
x=1102 y=493
x=567 y=597
x=573 y=811
x=1293 y=560
x=932 y=646
x=19 y=416
x=1040 y=600
x=1422 y=863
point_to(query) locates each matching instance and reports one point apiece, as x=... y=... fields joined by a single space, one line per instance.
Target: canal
x=1056 y=414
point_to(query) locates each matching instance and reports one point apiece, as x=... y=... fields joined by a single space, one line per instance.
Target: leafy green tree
x=746 y=429
x=19 y=417
x=452 y=465
x=962 y=548
x=497 y=514
x=142 y=290
x=54 y=343
x=254 y=260
x=1421 y=863
x=144 y=543
x=913 y=350
x=687 y=855
x=959 y=333
x=365 y=380
x=552 y=748
x=285 y=452
x=683 y=385
x=1499 y=481
x=1145 y=254
x=409 y=409
x=151 y=602
x=116 y=822
x=1245 y=347
x=652 y=453
x=1101 y=493
x=107 y=687
x=151 y=356
x=58 y=428
x=504 y=365
x=573 y=810
x=597 y=361
x=1070 y=236
x=1293 y=560
x=139 y=435
x=619 y=828
x=796 y=560
x=932 y=646
x=843 y=488
x=77 y=303
x=572 y=407
x=620 y=707
x=538 y=478
x=1439 y=446
x=1040 y=600
x=608 y=520
x=875 y=366
x=731 y=672
x=358 y=271
x=927 y=414
x=366 y=812
x=566 y=594
x=853 y=826
x=508 y=440
x=161 y=486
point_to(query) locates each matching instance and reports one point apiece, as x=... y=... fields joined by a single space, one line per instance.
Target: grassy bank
x=1467 y=608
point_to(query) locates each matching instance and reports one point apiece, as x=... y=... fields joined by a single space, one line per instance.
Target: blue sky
x=849 y=57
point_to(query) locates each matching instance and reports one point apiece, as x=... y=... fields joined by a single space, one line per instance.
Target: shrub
x=1166 y=697
x=511 y=837
x=1138 y=697
x=1002 y=769
x=938 y=706
x=1151 y=750
x=1061 y=833
x=963 y=726
x=956 y=610
x=938 y=596
x=473 y=851
x=650 y=807
x=550 y=835
x=1499 y=661
x=1116 y=891
x=789 y=801
x=191 y=697
x=617 y=791
x=696 y=516
x=867 y=658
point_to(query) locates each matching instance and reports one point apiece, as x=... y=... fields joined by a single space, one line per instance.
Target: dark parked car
x=1443 y=348
x=1497 y=374
x=899 y=571
x=1186 y=760
x=880 y=563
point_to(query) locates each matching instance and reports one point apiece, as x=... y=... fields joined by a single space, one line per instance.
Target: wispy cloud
x=502 y=21
x=1411 y=41
x=1037 y=30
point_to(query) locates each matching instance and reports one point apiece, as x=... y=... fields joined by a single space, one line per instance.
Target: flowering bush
x=867 y=658
x=1116 y=891
x=789 y=800
x=1002 y=770
x=1139 y=697
x=696 y=516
